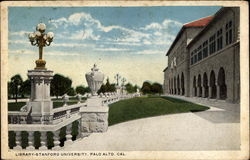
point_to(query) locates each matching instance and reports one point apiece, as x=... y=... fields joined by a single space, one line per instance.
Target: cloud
x=59 y=53
x=112 y=49
x=20 y=33
x=19 y=42
x=83 y=26
x=84 y=34
x=72 y=45
x=149 y=52
x=153 y=26
x=50 y=53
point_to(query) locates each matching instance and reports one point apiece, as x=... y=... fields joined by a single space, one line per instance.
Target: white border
x=244 y=81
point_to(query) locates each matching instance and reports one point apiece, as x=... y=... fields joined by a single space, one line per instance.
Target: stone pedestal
x=40 y=101
x=118 y=90
x=94 y=119
x=94 y=101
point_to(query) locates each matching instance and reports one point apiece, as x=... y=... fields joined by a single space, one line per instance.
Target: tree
x=11 y=90
x=130 y=88
x=60 y=85
x=80 y=90
x=25 y=88
x=146 y=87
x=135 y=88
x=71 y=92
x=156 y=88
x=112 y=88
x=87 y=90
x=108 y=86
x=103 y=89
x=16 y=81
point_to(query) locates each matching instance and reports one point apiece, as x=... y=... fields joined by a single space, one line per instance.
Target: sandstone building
x=203 y=60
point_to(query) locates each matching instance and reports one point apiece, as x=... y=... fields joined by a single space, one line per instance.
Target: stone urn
x=94 y=80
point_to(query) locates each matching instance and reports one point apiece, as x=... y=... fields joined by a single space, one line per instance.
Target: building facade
x=203 y=60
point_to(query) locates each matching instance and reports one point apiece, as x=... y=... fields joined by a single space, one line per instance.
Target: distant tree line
x=17 y=88
x=107 y=87
x=130 y=88
x=148 y=88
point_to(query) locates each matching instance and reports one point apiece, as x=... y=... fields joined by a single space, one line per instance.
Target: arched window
x=178 y=85
x=169 y=86
x=174 y=85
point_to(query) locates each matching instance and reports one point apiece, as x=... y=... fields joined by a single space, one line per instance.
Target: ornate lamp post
x=40 y=79
x=123 y=81
x=40 y=39
x=117 y=77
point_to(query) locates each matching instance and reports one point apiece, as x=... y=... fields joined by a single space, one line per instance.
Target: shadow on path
x=219 y=116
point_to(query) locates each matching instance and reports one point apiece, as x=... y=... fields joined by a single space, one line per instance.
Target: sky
x=131 y=41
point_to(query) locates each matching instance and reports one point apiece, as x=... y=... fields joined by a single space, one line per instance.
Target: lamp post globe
x=50 y=35
x=32 y=37
x=41 y=27
x=41 y=39
x=37 y=33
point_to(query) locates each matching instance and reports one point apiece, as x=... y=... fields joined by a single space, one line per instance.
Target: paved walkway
x=215 y=129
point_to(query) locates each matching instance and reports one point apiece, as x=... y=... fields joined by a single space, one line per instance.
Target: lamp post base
x=40 y=64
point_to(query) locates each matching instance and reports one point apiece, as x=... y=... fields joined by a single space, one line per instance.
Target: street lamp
x=123 y=81
x=117 y=77
x=40 y=39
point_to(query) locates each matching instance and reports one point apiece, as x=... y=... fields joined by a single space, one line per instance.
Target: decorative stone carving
x=40 y=100
x=94 y=79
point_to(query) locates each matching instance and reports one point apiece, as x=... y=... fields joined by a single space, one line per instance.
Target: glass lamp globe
x=41 y=27
x=50 y=35
x=38 y=34
x=32 y=36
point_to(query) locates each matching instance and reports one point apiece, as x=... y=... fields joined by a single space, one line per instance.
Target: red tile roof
x=200 y=22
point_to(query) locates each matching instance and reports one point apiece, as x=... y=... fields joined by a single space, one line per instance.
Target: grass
x=142 y=107
x=13 y=106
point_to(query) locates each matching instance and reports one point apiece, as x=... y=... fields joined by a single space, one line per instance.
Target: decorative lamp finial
x=41 y=39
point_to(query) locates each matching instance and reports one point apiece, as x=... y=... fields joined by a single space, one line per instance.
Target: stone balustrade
x=89 y=120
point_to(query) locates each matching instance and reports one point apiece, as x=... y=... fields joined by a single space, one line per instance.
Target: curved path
x=214 y=129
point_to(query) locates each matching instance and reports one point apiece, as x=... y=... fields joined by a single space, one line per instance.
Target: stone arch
x=169 y=86
x=174 y=85
x=222 y=84
x=199 y=86
x=194 y=87
x=212 y=85
x=205 y=84
x=182 y=84
x=172 y=88
x=178 y=85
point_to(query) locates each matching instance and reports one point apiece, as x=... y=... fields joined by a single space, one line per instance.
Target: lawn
x=141 y=107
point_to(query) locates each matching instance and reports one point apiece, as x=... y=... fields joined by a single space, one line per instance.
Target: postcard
x=125 y=80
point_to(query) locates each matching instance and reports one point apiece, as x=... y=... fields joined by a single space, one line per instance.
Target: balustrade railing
x=62 y=117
